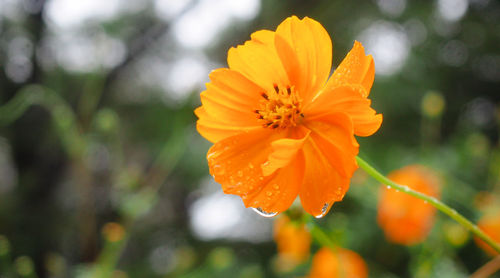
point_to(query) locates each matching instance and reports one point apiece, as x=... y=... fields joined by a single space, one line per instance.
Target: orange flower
x=340 y=262
x=280 y=127
x=406 y=219
x=490 y=224
x=292 y=239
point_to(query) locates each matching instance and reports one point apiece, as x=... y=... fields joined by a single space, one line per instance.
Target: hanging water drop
x=324 y=210
x=261 y=212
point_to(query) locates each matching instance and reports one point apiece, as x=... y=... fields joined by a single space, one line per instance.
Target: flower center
x=280 y=108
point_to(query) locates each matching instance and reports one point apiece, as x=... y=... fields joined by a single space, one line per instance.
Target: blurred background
x=102 y=172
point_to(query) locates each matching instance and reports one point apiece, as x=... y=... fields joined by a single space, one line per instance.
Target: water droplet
x=250 y=165
x=388 y=187
x=269 y=193
x=218 y=170
x=261 y=212
x=425 y=202
x=277 y=187
x=240 y=173
x=324 y=210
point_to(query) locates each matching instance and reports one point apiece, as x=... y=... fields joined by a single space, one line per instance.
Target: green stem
x=320 y=236
x=431 y=200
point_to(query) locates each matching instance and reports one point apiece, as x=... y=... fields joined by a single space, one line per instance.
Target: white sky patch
x=217 y=215
x=12 y=9
x=416 y=31
x=186 y=74
x=392 y=7
x=198 y=27
x=452 y=10
x=70 y=13
x=389 y=45
x=167 y=9
x=86 y=53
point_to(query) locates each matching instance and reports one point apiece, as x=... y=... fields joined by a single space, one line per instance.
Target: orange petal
x=278 y=191
x=228 y=103
x=333 y=137
x=406 y=219
x=293 y=240
x=323 y=183
x=338 y=262
x=258 y=60
x=214 y=129
x=490 y=225
x=284 y=150
x=305 y=49
x=235 y=163
x=346 y=99
x=356 y=68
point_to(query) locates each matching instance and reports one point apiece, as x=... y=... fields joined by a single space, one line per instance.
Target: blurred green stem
x=320 y=236
x=431 y=200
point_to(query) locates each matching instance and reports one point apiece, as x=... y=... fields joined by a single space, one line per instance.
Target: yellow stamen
x=280 y=108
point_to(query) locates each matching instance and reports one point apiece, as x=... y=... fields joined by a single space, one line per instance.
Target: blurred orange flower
x=280 y=127
x=340 y=262
x=490 y=224
x=406 y=219
x=292 y=239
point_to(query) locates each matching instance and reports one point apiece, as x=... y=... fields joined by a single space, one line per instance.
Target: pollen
x=280 y=108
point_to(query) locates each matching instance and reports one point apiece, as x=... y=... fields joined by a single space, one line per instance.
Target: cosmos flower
x=280 y=127
x=340 y=262
x=405 y=219
x=490 y=224
x=292 y=239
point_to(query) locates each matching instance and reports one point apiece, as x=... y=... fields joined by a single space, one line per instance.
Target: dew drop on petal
x=240 y=173
x=388 y=187
x=218 y=170
x=269 y=193
x=324 y=210
x=261 y=212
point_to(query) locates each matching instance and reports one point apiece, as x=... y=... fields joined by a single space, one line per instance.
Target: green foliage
x=114 y=141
